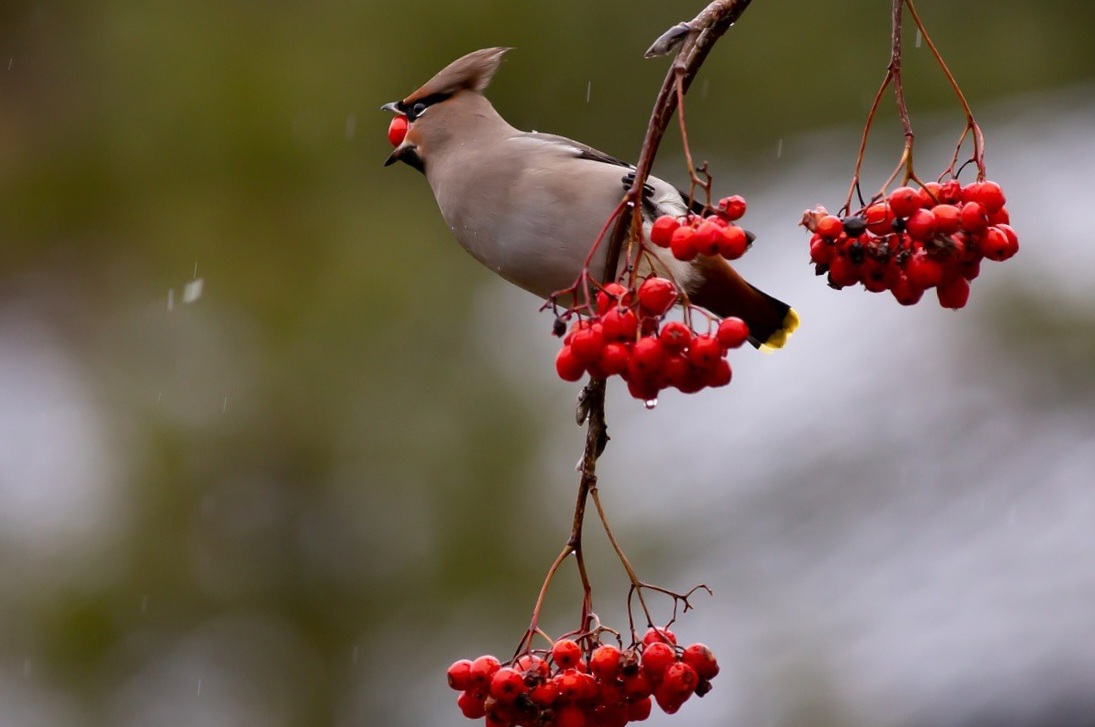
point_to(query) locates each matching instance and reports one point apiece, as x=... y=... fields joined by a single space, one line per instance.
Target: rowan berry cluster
x=915 y=240
x=715 y=234
x=628 y=336
x=566 y=686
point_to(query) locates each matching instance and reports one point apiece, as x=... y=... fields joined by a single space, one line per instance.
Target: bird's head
x=439 y=110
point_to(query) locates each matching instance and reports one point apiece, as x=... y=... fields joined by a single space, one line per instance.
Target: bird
x=529 y=205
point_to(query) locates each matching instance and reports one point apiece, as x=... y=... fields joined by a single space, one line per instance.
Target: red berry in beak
x=397 y=130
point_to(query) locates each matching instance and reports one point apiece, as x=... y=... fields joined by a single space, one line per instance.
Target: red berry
x=661 y=232
x=842 y=272
x=675 y=337
x=922 y=271
x=655 y=634
x=570 y=716
x=610 y=715
x=953 y=292
x=905 y=292
x=397 y=130
x=904 y=201
x=681 y=678
x=656 y=657
x=704 y=352
x=996 y=245
x=830 y=227
x=950 y=192
x=821 y=250
x=707 y=238
x=930 y=195
x=482 y=670
x=947 y=218
x=921 y=225
x=647 y=357
x=620 y=324
x=684 y=244
x=636 y=685
x=732 y=207
x=507 y=685
x=566 y=653
x=657 y=295
x=604 y=662
x=544 y=694
x=990 y=195
x=471 y=704
x=733 y=242
x=682 y=374
x=571 y=684
x=611 y=295
x=588 y=343
x=459 y=675
x=974 y=219
x=702 y=659
x=568 y=366
x=1000 y=217
x=668 y=699
x=531 y=665
x=718 y=375
x=879 y=218
x=641 y=388
x=732 y=333
x=614 y=358
x=1013 y=237
x=638 y=710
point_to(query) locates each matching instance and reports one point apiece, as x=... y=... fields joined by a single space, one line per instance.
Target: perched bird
x=529 y=205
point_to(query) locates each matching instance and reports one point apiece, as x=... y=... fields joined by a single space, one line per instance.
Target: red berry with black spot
x=702 y=659
x=566 y=653
x=904 y=201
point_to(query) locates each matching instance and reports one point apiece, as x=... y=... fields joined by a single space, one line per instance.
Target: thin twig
x=626 y=222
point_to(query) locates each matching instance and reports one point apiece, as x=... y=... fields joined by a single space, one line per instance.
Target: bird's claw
x=629 y=180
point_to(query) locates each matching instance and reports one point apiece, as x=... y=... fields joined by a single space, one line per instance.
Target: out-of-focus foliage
x=243 y=508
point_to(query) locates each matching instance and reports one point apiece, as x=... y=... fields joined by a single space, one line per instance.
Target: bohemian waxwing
x=529 y=205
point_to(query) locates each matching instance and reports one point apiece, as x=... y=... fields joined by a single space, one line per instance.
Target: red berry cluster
x=714 y=234
x=603 y=687
x=915 y=240
x=628 y=337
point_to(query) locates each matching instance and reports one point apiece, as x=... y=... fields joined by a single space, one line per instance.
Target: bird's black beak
x=393 y=107
x=394 y=156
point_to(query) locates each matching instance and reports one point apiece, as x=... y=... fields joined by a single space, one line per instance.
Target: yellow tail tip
x=779 y=338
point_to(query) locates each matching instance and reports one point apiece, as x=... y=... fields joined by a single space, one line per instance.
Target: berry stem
x=626 y=223
x=631 y=575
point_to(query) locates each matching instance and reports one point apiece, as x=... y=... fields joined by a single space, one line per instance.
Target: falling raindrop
x=199 y=686
x=224 y=406
x=193 y=290
x=650 y=403
x=589 y=88
x=171 y=299
x=11 y=63
x=144 y=603
x=779 y=149
x=918 y=38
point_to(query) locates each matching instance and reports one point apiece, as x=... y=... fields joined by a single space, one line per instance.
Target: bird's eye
x=418 y=109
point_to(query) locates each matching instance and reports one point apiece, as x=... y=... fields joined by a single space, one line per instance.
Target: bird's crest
x=472 y=72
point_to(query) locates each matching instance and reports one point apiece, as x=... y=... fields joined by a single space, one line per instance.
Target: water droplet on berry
x=650 y=403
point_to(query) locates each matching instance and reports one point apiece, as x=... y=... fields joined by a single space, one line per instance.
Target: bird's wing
x=664 y=199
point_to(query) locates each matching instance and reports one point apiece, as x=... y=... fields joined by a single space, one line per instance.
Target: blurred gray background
x=275 y=451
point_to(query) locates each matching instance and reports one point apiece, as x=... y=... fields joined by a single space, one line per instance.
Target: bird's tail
x=721 y=290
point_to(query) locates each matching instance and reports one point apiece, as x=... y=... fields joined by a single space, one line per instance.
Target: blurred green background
x=276 y=450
